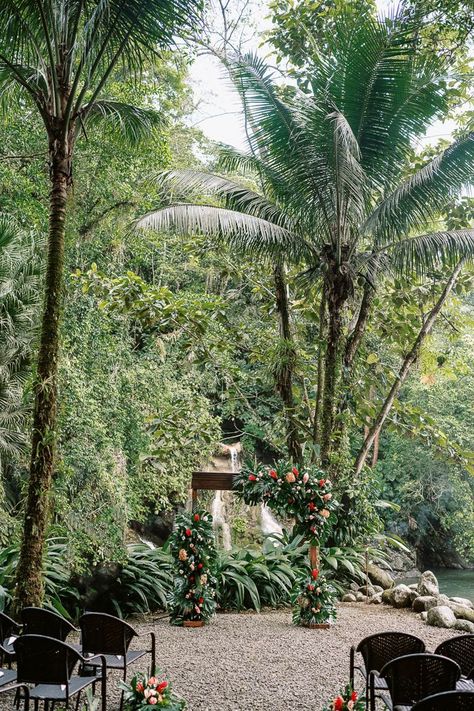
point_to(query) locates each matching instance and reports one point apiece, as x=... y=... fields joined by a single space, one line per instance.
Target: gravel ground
x=261 y=661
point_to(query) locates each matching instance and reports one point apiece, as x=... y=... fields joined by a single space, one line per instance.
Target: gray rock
x=462 y=601
x=413 y=596
x=377 y=589
x=349 y=597
x=464 y=626
x=360 y=597
x=465 y=613
x=423 y=602
x=379 y=576
x=354 y=587
x=387 y=596
x=424 y=615
x=428 y=584
x=367 y=590
x=413 y=586
x=441 y=616
x=437 y=601
x=401 y=596
x=376 y=599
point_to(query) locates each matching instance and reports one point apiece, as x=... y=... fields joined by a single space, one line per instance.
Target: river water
x=454 y=583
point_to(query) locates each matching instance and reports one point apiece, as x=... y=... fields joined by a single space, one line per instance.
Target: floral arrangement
x=313 y=599
x=143 y=692
x=300 y=493
x=348 y=700
x=193 y=550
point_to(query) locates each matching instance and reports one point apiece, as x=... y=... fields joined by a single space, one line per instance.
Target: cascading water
x=268 y=522
x=218 y=507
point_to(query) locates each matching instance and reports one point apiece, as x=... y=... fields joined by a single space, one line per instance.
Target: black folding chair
x=17 y=688
x=413 y=677
x=48 y=664
x=447 y=701
x=376 y=651
x=111 y=637
x=9 y=631
x=461 y=649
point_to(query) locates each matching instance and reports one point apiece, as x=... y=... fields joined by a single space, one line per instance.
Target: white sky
x=219 y=111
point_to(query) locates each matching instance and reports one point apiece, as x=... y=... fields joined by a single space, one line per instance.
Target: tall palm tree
x=336 y=197
x=58 y=56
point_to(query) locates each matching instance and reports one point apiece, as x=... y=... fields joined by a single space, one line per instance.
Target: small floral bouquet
x=348 y=700
x=144 y=691
x=192 y=546
x=300 y=493
x=313 y=600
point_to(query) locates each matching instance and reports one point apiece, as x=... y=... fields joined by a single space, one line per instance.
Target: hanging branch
x=408 y=361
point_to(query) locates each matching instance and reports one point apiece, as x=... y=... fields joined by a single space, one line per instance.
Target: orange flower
x=325 y=513
x=290 y=477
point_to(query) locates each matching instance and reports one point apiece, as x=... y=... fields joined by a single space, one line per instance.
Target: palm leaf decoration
x=331 y=166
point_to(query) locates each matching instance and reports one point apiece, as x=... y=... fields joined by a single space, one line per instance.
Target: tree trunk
x=320 y=382
x=284 y=370
x=29 y=576
x=405 y=369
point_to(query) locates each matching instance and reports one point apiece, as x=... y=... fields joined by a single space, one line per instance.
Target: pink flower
x=327 y=497
x=350 y=705
x=153 y=700
x=325 y=513
x=305 y=478
x=152 y=681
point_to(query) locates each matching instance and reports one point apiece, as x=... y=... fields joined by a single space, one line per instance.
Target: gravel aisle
x=262 y=662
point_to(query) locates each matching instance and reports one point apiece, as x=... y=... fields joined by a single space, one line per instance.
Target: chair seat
x=117 y=661
x=57 y=692
x=7 y=676
x=465 y=685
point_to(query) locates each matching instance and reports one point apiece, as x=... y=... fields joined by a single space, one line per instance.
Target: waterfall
x=218 y=507
x=268 y=522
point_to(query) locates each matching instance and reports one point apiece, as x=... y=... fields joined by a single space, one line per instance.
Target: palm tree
x=58 y=55
x=335 y=194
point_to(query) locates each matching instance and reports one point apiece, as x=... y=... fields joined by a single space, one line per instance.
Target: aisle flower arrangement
x=300 y=493
x=192 y=602
x=303 y=494
x=313 y=600
x=144 y=691
x=347 y=700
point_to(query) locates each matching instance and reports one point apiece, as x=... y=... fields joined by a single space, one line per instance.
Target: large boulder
x=376 y=599
x=379 y=576
x=437 y=601
x=349 y=597
x=387 y=596
x=441 y=616
x=465 y=613
x=462 y=601
x=401 y=596
x=423 y=602
x=360 y=597
x=366 y=590
x=464 y=626
x=428 y=584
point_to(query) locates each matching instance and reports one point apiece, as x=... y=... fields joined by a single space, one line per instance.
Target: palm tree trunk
x=284 y=371
x=29 y=576
x=320 y=378
x=408 y=361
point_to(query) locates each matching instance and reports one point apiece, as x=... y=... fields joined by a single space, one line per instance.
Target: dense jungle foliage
x=171 y=343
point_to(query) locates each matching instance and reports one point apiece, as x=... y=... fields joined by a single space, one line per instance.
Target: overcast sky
x=219 y=112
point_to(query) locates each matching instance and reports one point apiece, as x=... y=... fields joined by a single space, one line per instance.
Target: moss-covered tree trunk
x=29 y=579
x=284 y=369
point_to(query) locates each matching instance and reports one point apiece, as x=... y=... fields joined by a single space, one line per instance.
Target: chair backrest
x=414 y=676
x=378 y=649
x=8 y=627
x=461 y=649
x=447 y=701
x=36 y=620
x=44 y=660
x=105 y=634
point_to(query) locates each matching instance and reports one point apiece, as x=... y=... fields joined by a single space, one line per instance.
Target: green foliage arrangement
x=192 y=548
x=303 y=493
x=144 y=691
x=313 y=599
x=347 y=700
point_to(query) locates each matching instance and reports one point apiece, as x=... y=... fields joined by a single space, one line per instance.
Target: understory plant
x=193 y=552
x=347 y=700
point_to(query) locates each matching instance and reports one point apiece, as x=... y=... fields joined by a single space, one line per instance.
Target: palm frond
x=419 y=198
x=132 y=122
x=241 y=231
